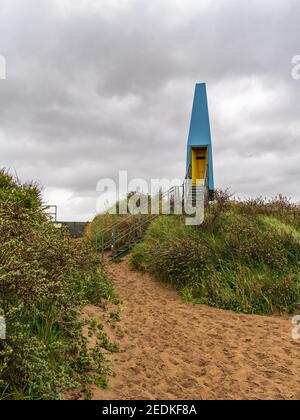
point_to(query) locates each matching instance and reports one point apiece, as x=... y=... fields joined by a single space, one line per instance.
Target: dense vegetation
x=245 y=257
x=45 y=279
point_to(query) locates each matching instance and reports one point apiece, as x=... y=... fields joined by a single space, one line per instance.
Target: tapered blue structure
x=199 y=162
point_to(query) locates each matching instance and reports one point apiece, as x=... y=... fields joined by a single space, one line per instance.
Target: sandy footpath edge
x=175 y=350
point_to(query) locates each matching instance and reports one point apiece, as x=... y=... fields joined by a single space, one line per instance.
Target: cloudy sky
x=97 y=86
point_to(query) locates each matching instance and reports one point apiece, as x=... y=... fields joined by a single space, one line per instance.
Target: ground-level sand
x=175 y=350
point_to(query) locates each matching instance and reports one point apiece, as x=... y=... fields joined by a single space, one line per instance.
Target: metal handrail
x=125 y=232
x=120 y=222
x=52 y=214
x=130 y=230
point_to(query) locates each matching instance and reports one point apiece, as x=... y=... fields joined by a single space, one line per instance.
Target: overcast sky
x=97 y=86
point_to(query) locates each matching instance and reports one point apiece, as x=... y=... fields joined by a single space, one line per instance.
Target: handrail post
x=113 y=240
x=134 y=228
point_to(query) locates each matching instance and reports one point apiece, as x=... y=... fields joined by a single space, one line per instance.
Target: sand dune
x=175 y=350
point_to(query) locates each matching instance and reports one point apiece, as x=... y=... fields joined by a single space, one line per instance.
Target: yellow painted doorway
x=199 y=164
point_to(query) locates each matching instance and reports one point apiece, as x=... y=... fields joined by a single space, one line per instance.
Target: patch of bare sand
x=175 y=350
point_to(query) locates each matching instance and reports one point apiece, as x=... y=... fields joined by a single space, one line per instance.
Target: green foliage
x=45 y=279
x=245 y=257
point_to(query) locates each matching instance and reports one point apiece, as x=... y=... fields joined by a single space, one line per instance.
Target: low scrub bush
x=45 y=279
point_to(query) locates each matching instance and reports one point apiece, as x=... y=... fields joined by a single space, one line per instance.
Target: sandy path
x=176 y=350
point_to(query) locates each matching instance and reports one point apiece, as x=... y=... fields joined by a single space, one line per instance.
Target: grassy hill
x=245 y=257
x=45 y=279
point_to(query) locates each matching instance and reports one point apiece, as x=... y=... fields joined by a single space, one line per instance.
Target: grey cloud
x=108 y=85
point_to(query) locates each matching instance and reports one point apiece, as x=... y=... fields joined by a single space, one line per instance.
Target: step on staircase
x=123 y=250
x=196 y=196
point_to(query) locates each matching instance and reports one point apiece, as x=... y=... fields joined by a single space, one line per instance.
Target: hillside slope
x=245 y=257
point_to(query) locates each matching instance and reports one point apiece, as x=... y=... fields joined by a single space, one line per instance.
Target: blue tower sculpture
x=199 y=162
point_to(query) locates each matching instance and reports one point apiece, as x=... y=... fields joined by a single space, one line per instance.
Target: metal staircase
x=122 y=235
x=195 y=194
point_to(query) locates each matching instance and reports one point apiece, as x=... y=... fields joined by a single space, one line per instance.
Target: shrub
x=45 y=279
